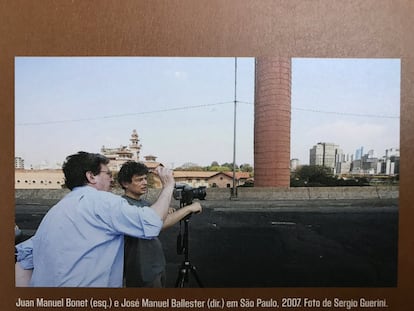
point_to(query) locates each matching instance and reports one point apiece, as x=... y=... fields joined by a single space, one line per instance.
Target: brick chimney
x=272 y=112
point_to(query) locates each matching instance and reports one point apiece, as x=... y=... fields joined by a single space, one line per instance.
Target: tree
x=189 y=166
x=215 y=163
x=217 y=168
x=314 y=175
x=246 y=168
x=230 y=166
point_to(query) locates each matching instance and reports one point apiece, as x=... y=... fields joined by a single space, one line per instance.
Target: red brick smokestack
x=272 y=112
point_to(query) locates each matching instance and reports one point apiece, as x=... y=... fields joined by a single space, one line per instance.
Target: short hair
x=129 y=169
x=76 y=166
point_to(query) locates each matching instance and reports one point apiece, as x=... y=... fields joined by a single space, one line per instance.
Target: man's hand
x=166 y=176
x=180 y=213
x=162 y=204
x=194 y=207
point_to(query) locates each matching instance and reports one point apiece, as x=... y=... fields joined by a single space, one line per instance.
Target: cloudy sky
x=182 y=108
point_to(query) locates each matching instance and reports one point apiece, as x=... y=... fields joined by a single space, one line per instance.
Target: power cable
x=197 y=107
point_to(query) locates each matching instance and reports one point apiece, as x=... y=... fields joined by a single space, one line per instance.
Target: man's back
x=80 y=240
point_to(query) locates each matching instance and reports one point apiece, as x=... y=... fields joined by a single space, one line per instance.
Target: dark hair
x=129 y=169
x=76 y=166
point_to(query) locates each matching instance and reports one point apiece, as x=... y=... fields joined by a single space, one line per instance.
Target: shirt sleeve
x=24 y=254
x=126 y=219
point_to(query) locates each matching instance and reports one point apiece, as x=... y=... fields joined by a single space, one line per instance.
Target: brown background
x=295 y=28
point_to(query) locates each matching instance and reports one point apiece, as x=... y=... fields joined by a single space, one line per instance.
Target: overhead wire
x=197 y=107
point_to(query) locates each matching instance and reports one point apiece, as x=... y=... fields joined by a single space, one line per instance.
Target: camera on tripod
x=186 y=194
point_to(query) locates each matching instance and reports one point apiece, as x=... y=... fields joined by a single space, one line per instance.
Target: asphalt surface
x=342 y=243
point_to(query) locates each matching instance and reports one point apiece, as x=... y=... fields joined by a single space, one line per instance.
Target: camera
x=186 y=193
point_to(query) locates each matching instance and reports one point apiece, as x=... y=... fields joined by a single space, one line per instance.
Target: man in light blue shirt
x=80 y=241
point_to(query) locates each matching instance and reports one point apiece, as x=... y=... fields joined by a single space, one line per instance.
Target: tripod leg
x=182 y=277
x=180 y=282
x=184 y=273
x=194 y=272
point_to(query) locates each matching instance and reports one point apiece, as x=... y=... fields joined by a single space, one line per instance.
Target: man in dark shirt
x=144 y=261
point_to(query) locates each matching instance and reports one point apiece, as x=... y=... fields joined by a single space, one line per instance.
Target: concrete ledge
x=264 y=194
x=39 y=196
x=318 y=193
x=273 y=193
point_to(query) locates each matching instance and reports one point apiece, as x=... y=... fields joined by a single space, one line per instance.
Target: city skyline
x=351 y=155
x=182 y=108
x=359 y=152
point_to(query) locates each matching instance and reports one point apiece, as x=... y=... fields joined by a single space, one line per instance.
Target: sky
x=183 y=108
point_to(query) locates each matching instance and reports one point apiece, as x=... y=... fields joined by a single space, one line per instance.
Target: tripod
x=186 y=267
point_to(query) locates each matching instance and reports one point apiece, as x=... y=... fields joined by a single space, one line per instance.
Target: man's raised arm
x=163 y=202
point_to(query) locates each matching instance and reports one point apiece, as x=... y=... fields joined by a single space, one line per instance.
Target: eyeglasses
x=109 y=173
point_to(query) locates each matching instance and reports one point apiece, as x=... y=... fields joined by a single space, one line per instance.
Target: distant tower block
x=272 y=112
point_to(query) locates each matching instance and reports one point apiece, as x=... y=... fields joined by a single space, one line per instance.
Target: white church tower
x=135 y=147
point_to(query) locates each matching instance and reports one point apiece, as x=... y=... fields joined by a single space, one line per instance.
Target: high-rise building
x=316 y=155
x=359 y=153
x=369 y=163
x=391 y=162
x=342 y=167
x=371 y=154
x=392 y=152
x=18 y=163
x=325 y=154
x=294 y=164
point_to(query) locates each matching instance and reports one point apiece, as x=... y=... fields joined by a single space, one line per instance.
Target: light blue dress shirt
x=80 y=241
